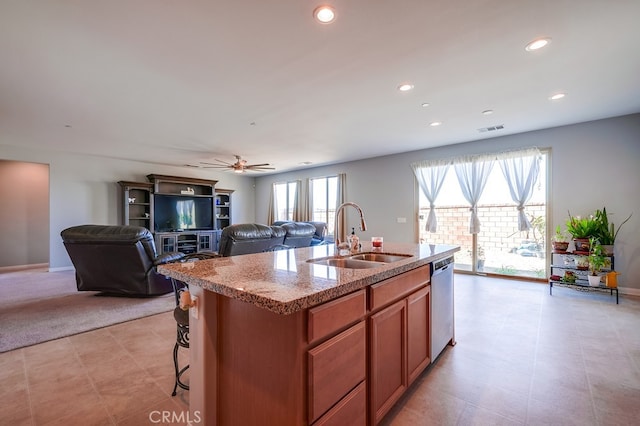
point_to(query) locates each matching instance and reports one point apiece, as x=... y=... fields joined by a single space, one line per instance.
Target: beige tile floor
x=523 y=358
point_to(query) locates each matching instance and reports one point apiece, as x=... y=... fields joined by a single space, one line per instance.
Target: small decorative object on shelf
x=560 y=243
x=581 y=262
x=568 y=277
x=611 y=279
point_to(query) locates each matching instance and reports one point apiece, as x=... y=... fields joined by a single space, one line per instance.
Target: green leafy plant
x=606 y=232
x=560 y=236
x=597 y=260
x=568 y=277
x=582 y=227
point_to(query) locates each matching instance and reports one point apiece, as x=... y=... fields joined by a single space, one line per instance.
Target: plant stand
x=581 y=283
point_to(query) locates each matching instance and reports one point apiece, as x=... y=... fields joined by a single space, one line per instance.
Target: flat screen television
x=179 y=213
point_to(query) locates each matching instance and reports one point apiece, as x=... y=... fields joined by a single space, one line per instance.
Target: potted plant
x=581 y=229
x=569 y=277
x=581 y=262
x=560 y=243
x=597 y=261
x=607 y=232
x=481 y=258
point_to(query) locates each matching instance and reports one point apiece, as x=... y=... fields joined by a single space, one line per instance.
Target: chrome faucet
x=363 y=225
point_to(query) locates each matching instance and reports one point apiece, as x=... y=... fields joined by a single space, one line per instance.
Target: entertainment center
x=184 y=214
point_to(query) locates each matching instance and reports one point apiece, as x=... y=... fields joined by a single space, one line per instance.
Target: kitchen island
x=276 y=339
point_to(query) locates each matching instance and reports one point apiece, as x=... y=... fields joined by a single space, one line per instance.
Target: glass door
x=499 y=248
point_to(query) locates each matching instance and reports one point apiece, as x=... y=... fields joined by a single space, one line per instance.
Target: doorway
x=24 y=215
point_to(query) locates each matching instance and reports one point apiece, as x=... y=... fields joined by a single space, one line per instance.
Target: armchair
x=117 y=260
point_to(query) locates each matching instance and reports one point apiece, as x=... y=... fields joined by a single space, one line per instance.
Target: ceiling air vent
x=491 y=128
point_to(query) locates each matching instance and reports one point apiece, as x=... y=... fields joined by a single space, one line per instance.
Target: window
x=285 y=200
x=323 y=200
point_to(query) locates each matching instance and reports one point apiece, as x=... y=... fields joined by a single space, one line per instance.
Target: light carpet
x=37 y=306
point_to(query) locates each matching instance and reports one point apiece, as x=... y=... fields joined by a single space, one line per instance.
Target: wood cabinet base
x=334 y=364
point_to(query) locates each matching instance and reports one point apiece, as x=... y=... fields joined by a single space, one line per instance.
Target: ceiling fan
x=240 y=166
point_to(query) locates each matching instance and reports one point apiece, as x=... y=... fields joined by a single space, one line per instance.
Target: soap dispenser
x=354 y=241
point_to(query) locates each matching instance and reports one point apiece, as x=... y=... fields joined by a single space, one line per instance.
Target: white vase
x=607 y=249
x=594 y=280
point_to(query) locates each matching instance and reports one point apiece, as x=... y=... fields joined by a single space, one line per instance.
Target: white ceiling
x=184 y=81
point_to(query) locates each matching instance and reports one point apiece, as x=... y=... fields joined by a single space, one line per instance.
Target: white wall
x=593 y=165
x=83 y=190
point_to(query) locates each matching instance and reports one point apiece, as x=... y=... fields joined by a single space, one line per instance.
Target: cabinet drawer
x=351 y=410
x=335 y=368
x=335 y=315
x=392 y=289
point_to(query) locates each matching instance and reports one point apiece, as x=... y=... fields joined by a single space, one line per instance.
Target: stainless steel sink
x=360 y=261
x=346 y=262
x=380 y=257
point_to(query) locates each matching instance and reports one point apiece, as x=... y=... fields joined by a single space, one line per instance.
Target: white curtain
x=271 y=212
x=430 y=177
x=300 y=211
x=472 y=176
x=521 y=172
x=340 y=198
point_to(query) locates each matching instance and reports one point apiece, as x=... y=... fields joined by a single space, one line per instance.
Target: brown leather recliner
x=117 y=260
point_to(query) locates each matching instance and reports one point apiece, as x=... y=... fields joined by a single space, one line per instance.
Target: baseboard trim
x=629 y=291
x=61 y=269
x=16 y=268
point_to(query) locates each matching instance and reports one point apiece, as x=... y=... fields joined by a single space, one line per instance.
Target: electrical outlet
x=402 y=220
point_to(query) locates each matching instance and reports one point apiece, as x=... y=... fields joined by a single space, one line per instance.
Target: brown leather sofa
x=246 y=238
x=117 y=260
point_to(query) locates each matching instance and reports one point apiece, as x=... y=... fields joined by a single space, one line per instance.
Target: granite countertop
x=284 y=282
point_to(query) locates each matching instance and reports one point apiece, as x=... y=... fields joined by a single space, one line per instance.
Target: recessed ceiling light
x=405 y=87
x=425 y=104
x=324 y=14
x=536 y=44
x=557 y=96
x=435 y=123
x=487 y=112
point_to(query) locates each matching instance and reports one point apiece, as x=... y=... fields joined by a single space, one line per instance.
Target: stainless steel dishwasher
x=442 y=331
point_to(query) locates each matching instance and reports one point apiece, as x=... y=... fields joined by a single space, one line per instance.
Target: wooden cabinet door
x=418 y=338
x=388 y=365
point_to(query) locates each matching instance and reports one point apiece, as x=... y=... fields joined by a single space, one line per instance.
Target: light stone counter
x=284 y=282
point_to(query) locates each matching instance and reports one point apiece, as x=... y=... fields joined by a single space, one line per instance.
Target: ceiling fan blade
x=257 y=165
x=213 y=165
x=223 y=162
x=260 y=169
